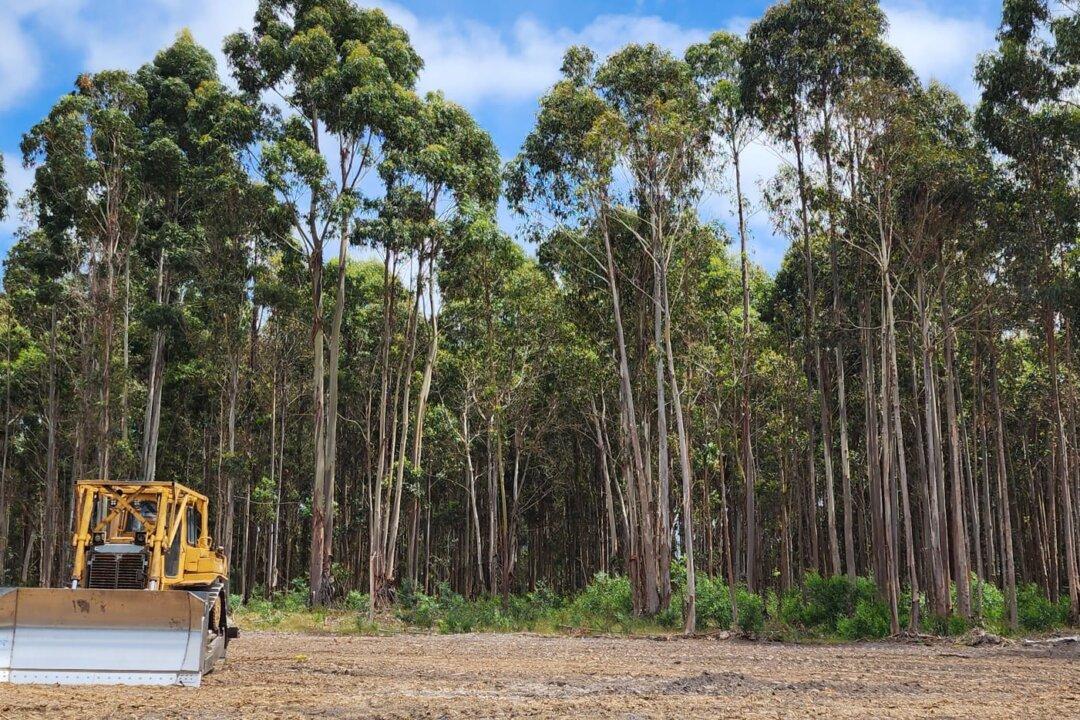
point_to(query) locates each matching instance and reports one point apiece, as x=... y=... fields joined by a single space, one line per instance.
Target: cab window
x=193 y=523
x=146 y=508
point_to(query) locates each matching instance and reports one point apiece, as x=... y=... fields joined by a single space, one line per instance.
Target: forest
x=288 y=282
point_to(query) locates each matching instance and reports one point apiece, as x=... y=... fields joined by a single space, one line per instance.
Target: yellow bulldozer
x=147 y=602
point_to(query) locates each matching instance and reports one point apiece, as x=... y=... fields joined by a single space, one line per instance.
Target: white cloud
x=938 y=46
x=19 y=62
x=473 y=62
x=131 y=45
x=104 y=38
x=470 y=61
x=739 y=24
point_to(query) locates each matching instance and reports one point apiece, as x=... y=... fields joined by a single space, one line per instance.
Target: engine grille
x=119 y=571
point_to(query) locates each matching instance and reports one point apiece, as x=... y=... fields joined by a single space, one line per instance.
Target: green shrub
x=604 y=603
x=950 y=625
x=449 y=611
x=672 y=616
x=407 y=593
x=1035 y=612
x=524 y=610
x=751 y=611
x=713 y=603
x=988 y=599
x=792 y=608
x=456 y=614
x=828 y=599
x=870 y=620
x=357 y=600
x=423 y=611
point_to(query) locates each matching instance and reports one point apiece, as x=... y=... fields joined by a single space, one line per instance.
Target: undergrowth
x=824 y=609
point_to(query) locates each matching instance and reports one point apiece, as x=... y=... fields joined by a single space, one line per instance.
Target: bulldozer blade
x=103 y=637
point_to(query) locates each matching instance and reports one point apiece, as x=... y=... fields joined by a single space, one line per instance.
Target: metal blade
x=114 y=637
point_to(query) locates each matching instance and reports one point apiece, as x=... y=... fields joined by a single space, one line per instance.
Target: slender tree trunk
x=51 y=529
x=471 y=484
x=5 y=503
x=888 y=451
x=690 y=598
x=901 y=465
x=745 y=440
x=1072 y=573
x=939 y=598
x=316 y=563
x=729 y=555
x=1003 y=497
x=663 y=464
x=961 y=567
x=650 y=598
x=814 y=348
x=873 y=453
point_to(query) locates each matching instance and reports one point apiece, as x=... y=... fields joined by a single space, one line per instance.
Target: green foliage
x=451 y=613
x=1034 y=611
x=834 y=607
x=870 y=620
x=751 y=611
x=951 y=625
x=823 y=601
x=535 y=605
x=605 y=603
x=356 y=600
x=993 y=608
x=416 y=608
x=670 y=617
x=713 y=603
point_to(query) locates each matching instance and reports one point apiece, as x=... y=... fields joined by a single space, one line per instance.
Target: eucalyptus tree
x=663 y=141
x=442 y=175
x=37 y=335
x=88 y=152
x=502 y=325
x=718 y=72
x=592 y=370
x=565 y=175
x=4 y=516
x=1028 y=115
x=942 y=180
x=345 y=77
x=194 y=181
x=619 y=148
x=798 y=61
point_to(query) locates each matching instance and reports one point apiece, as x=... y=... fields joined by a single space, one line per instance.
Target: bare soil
x=286 y=675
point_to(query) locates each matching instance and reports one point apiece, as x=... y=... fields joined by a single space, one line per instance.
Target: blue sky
x=495 y=58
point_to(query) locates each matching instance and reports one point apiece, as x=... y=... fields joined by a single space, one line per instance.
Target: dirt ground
x=284 y=675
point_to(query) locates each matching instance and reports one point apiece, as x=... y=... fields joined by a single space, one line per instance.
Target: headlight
x=140 y=537
x=99 y=538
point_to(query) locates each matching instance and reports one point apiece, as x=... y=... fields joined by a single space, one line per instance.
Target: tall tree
x=718 y=70
x=345 y=74
x=1028 y=114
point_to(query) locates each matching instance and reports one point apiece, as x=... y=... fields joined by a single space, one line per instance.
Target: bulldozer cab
x=143 y=536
